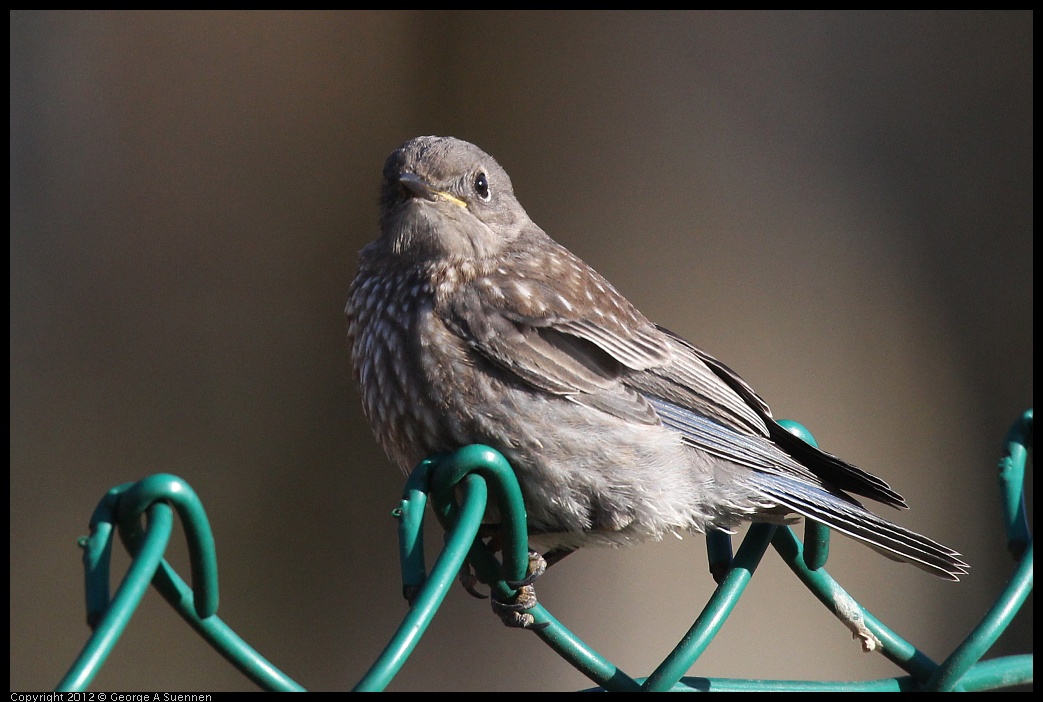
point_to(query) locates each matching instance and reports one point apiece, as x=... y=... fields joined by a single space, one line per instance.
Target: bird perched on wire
x=468 y=324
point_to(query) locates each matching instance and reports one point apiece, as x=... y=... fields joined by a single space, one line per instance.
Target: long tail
x=855 y=521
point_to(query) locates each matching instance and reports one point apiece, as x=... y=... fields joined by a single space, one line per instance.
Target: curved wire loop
x=157 y=498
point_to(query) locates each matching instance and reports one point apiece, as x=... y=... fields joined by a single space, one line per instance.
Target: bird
x=468 y=324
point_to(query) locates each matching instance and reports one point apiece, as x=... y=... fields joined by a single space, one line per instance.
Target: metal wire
x=458 y=487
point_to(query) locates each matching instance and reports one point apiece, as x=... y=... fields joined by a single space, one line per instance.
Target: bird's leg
x=557 y=554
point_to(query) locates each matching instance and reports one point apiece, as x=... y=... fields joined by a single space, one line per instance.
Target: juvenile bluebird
x=468 y=324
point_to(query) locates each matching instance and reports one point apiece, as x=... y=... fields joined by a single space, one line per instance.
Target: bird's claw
x=469 y=580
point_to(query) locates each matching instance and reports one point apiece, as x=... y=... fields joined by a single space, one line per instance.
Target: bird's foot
x=514 y=611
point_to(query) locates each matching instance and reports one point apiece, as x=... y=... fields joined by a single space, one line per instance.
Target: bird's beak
x=421 y=188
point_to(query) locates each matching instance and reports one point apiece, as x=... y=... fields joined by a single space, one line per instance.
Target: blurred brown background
x=839 y=206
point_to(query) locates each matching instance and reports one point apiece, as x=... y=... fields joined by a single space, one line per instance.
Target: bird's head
x=444 y=198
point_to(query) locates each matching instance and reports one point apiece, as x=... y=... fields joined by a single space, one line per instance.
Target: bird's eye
x=481 y=186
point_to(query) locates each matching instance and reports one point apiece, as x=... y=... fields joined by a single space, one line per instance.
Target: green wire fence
x=458 y=487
